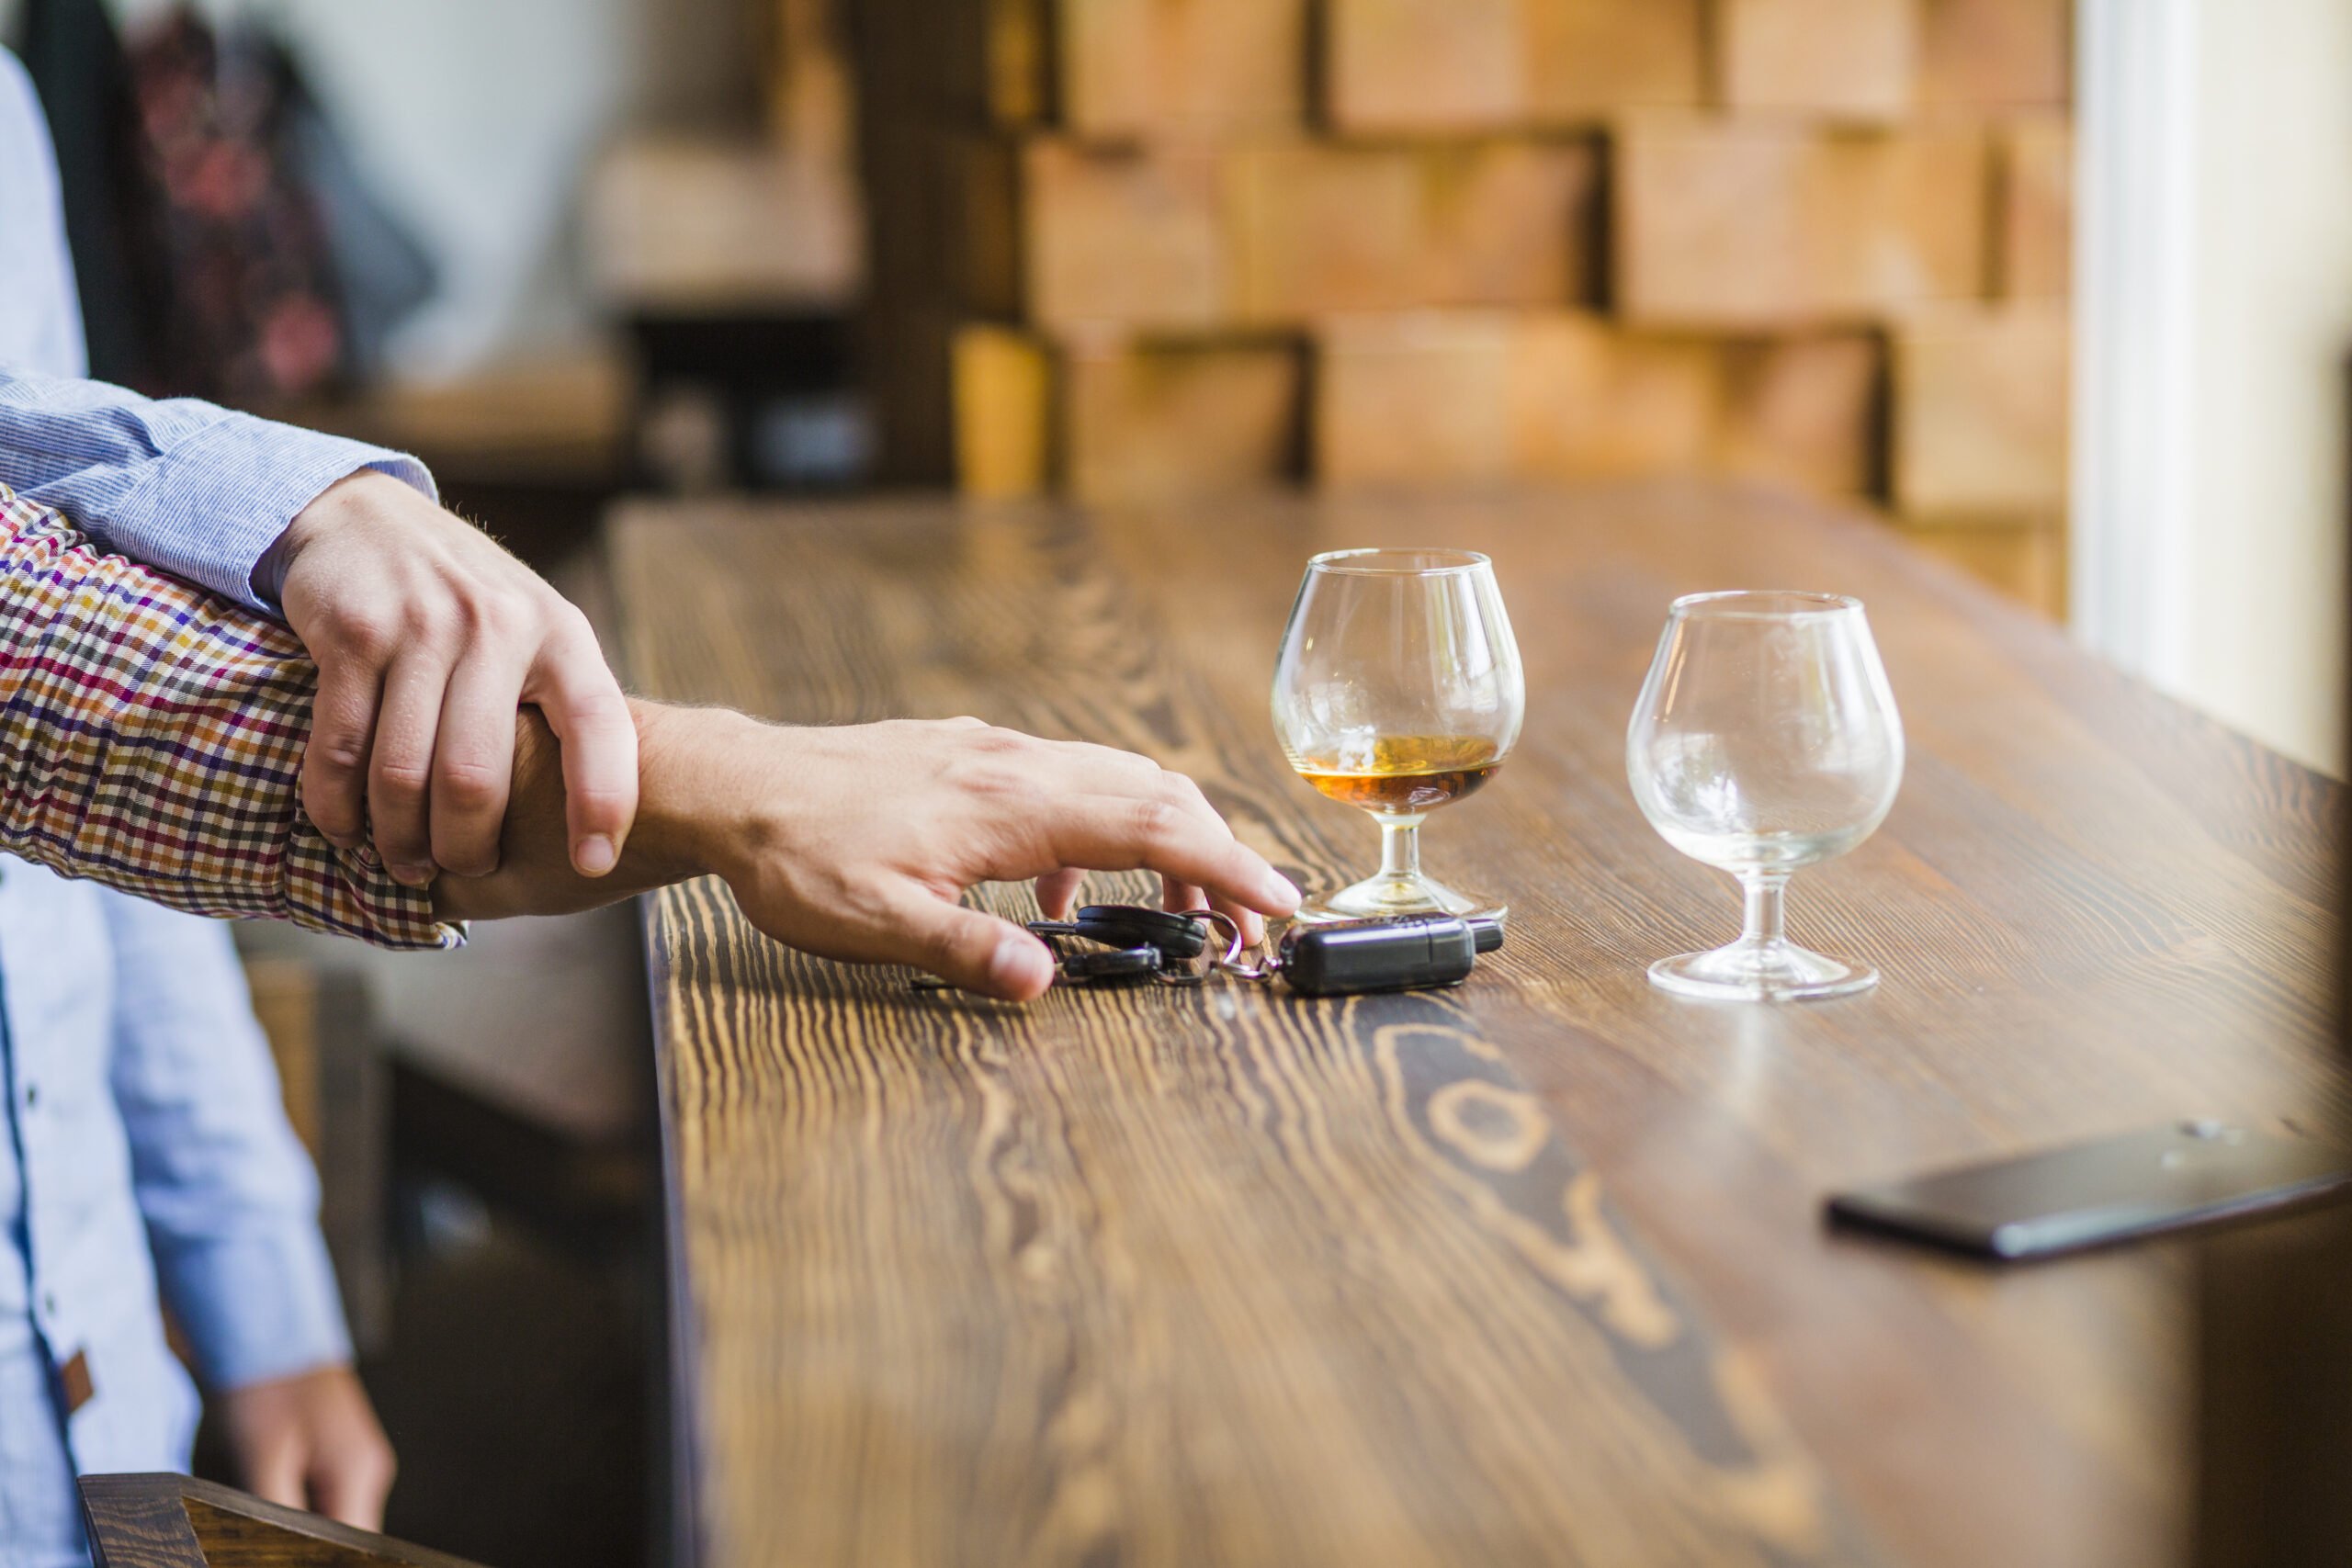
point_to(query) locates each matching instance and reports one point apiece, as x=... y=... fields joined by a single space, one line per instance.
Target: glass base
x=1379 y=896
x=1761 y=972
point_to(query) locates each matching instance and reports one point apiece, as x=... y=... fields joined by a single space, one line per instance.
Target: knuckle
x=1117 y=757
x=941 y=946
x=999 y=742
x=603 y=800
x=363 y=630
x=427 y=621
x=510 y=605
x=1156 y=821
x=471 y=787
x=336 y=753
x=462 y=859
x=580 y=636
x=1004 y=786
x=398 y=781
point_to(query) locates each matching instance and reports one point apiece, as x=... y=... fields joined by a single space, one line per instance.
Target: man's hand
x=310 y=1441
x=428 y=637
x=854 y=842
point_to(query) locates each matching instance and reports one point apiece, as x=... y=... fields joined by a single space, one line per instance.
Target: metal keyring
x=1234 y=946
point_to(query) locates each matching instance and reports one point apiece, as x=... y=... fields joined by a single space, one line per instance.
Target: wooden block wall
x=1148 y=248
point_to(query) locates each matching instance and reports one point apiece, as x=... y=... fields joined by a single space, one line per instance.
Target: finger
x=1057 y=892
x=583 y=704
x=275 y=1475
x=351 y=1487
x=1186 y=793
x=1184 y=897
x=976 y=952
x=1091 y=768
x=1122 y=833
x=473 y=762
x=334 y=763
x=1252 y=924
x=399 y=765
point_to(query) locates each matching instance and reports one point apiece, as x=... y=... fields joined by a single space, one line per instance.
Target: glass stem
x=1766 y=921
x=1400 y=849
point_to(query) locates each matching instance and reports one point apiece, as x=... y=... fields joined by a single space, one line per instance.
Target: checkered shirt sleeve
x=151 y=737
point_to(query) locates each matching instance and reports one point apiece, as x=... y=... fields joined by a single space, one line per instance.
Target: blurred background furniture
x=1532 y=1270
x=1167 y=247
x=171 y=1521
x=338 y=1098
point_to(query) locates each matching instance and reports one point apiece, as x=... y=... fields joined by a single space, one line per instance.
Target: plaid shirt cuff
x=151 y=737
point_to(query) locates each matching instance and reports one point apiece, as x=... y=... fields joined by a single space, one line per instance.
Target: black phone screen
x=2064 y=1199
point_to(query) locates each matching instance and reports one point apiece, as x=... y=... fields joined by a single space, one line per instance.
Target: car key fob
x=1127 y=925
x=1393 y=954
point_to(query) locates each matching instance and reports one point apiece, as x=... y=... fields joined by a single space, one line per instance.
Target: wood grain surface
x=1528 y=1271
x=162 y=1520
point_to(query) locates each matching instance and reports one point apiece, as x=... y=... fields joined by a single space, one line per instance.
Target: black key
x=1116 y=965
x=1130 y=925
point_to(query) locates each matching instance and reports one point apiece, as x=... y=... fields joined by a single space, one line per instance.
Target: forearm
x=858 y=841
x=184 y=485
x=151 y=737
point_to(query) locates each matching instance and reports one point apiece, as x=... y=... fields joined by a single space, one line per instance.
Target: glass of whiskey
x=1398 y=689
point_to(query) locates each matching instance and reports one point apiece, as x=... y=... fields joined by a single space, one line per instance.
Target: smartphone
x=2186 y=1173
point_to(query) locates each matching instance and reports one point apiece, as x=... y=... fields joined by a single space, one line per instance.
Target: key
x=1115 y=966
x=1177 y=936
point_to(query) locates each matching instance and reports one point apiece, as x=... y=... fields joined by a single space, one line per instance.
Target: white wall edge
x=2134 y=454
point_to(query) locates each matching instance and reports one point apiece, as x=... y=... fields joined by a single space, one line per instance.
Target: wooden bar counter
x=1532 y=1270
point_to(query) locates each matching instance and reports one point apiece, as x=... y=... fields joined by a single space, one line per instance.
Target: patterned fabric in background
x=258 y=266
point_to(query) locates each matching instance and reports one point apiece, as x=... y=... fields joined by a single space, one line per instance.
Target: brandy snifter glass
x=1398 y=689
x=1765 y=740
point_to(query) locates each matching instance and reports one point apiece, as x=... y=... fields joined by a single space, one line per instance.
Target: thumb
x=970 y=950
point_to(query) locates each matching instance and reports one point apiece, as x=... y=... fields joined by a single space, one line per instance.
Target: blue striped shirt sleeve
x=186 y=487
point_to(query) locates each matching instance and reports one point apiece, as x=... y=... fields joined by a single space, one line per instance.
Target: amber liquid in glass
x=1407 y=773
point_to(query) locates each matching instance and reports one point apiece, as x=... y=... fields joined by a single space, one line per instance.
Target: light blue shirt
x=144 y=1152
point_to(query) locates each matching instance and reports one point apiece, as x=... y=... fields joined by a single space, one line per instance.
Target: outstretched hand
x=879 y=827
x=856 y=842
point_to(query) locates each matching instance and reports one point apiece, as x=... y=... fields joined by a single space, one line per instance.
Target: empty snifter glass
x=1398 y=689
x=1765 y=740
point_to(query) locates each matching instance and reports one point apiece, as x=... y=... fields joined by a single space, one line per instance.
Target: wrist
x=695 y=816
x=318 y=516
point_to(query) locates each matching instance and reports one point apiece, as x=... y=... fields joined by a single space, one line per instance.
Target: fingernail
x=1014 y=964
x=1280 y=890
x=412 y=875
x=595 y=855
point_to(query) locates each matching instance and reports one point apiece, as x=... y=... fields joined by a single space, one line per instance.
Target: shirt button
x=49 y=1303
x=32 y=1095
